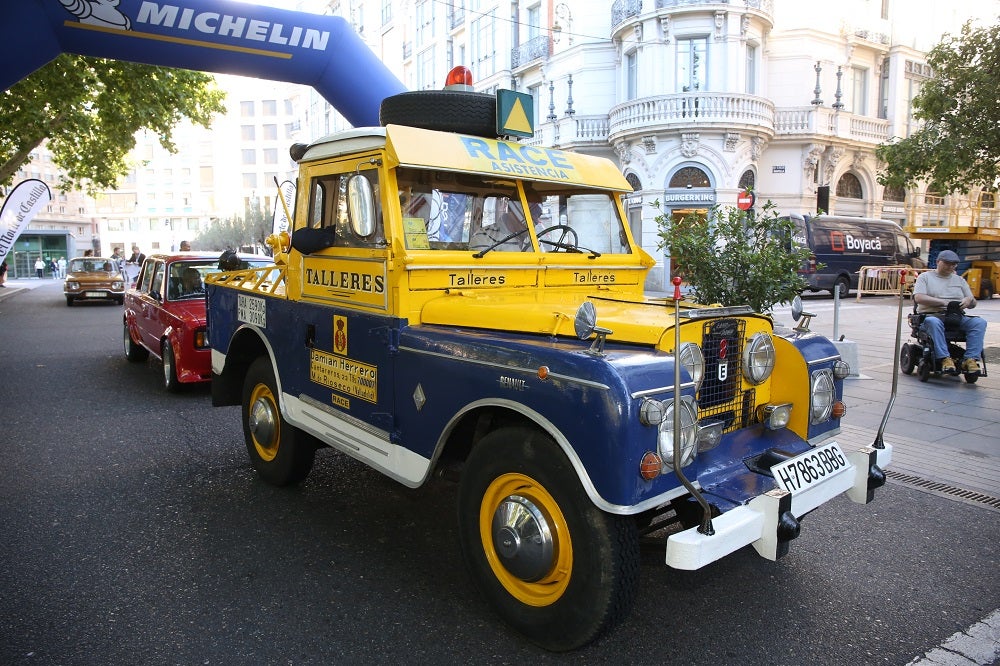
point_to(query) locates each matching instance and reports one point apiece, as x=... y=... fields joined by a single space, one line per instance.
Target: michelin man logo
x=102 y=13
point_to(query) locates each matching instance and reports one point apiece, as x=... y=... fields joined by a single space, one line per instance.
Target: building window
x=425 y=22
x=483 y=46
x=883 y=90
x=247 y=109
x=534 y=21
x=987 y=199
x=849 y=187
x=249 y=156
x=250 y=180
x=631 y=75
x=893 y=193
x=248 y=132
x=634 y=181
x=690 y=177
x=932 y=198
x=386 y=11
x=692 y=64
x=751 y=82
x=270 y=156
x=748 y=180
x=270 y=107
x=859 y=91
x=270 y=132
x=425 y=70
x=192 y=224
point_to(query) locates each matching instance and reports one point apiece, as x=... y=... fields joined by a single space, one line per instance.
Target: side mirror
x=796 y=307
x=361 y=205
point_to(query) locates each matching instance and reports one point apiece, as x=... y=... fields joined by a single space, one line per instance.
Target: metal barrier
x=884 y=280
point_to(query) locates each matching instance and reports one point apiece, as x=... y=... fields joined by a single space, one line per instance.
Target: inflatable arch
x=207 y=35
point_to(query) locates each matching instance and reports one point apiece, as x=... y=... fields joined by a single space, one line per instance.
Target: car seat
x=923 y=357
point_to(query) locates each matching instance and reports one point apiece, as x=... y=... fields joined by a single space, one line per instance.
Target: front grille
x=720 y=397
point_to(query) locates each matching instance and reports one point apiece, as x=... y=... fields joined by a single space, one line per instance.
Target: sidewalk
x=945 y=433
x=11 y=287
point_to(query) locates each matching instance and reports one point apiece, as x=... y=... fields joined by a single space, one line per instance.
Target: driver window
x=328 y=210
x=156 y=284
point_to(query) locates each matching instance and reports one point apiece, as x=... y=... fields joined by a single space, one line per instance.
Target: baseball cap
x=947 y=255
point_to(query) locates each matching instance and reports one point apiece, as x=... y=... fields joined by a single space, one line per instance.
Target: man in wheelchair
x=932 y=293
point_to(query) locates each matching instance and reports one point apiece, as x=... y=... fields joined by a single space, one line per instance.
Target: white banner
x=279 y=220
x=22 y=204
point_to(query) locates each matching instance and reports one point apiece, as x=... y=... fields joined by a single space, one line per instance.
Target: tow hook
x=876 y=478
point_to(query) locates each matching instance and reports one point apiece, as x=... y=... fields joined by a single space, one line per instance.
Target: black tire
x=907 y=359
x=133 y=352
x=924 y=369
x=986 y=290
x=971 y=377
x=443 y=110
x=280 y=452
x=563 y=596
x=69 y=301
x=170 y=381
x=844 y=285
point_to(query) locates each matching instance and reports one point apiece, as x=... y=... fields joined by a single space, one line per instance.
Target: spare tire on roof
x=443 y=110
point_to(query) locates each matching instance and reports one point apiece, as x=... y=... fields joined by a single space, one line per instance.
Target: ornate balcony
x=572 y=132
x=731 y=111
x=622 y=10
x=812 y=121
x=533 y=49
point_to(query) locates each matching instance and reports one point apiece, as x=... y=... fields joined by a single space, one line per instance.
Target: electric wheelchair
x=921 y=356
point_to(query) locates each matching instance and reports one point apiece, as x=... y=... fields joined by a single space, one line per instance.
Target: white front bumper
x=755 y=523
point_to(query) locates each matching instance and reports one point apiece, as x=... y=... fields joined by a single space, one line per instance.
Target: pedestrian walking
x=3 y=273
x=39 y=268
x=62 y=267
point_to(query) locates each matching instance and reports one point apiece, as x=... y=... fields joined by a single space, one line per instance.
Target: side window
x=156 y=284
x=328 y=209
x=147 y=277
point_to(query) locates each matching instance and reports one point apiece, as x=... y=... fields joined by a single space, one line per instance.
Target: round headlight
x=694 y=362
x=688 y=432
x=758 y=358
x=823 y=396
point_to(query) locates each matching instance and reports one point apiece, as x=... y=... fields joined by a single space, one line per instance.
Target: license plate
x=94 y=294
x=809 y=468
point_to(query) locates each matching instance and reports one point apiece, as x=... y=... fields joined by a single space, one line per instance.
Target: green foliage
x=89 y=110
x=958 y=147
x=236 y=232
x=735 y=258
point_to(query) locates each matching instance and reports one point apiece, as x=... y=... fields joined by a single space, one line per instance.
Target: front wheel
x=907 y=360
x=280 y=452
x=170 y=381
x=924 y=369
x=553 y=566
x=133 y=352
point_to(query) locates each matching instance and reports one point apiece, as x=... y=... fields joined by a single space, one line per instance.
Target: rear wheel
x=907 y=360
x=843 y=285
x=280 y=452
x=986 y=290
x=552 y=565
x=133 y=352
x=170 y=381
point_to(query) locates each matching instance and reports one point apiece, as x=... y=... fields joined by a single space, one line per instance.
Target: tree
x=89 y=109
x=958 y=147
x=735 y=258
x=236 y=232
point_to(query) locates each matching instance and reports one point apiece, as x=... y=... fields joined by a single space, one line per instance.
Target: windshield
x=451 y=211
x=92 y=265
x=186 y=279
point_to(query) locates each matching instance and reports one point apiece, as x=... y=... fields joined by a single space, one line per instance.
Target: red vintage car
x=165 y=314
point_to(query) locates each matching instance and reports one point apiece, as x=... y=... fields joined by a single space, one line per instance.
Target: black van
x=841 y=245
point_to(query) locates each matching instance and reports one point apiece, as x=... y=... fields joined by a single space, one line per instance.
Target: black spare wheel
x=442 y=110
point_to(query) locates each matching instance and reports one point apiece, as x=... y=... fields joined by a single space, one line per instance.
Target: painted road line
x=979 y=644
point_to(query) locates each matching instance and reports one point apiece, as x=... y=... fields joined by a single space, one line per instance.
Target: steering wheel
x=561 y=242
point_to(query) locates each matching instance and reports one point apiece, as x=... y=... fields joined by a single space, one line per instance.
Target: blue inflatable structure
x=206 y=35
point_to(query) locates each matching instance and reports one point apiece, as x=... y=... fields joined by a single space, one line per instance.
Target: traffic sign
x=515 y=114
x=745 y=200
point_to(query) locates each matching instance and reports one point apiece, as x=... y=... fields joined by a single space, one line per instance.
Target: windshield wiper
x=508 y=237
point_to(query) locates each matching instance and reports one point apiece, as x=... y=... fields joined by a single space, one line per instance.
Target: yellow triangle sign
x=517 y=120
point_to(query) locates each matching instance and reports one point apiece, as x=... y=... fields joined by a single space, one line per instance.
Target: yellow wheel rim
x=526 y=539
x=264 y=422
